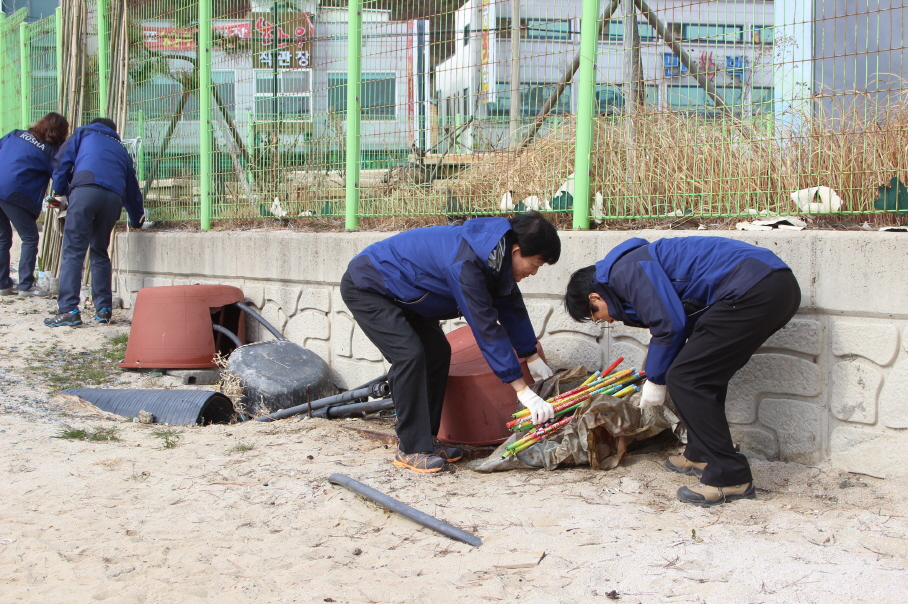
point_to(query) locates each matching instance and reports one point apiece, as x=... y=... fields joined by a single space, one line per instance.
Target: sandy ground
x=241 y=513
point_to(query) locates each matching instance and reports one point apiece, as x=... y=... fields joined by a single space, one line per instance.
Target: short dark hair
x=577 y=296
x=104 y=121
x=52 y=128
x=536 y=236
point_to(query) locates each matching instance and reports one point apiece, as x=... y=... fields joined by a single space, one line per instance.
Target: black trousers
x=420 y=358
x=90 y=219
x=724 y=339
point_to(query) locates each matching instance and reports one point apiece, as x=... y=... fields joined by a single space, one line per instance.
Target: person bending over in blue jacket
x=709 y=304
x=95 y=170
x=400 y=288
x=28 y=159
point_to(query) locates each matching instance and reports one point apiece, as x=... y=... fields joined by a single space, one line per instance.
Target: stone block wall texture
x=833 y=384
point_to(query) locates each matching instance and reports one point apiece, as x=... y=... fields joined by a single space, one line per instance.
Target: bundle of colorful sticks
x=618 y=384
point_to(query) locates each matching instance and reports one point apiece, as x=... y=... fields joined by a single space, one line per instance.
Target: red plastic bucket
x=477 y=403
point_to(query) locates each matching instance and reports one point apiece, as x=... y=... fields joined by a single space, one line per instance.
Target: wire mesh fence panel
x=42 y=68
x=10 y=53
x=731 y=108
x=163 y=105
x=701 y=108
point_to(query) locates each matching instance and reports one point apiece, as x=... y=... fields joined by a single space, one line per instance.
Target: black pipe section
x=401 y=508
x=381 y=378
x=379 y=390
x=365 y=407
x=227 y=333
x=260 y=319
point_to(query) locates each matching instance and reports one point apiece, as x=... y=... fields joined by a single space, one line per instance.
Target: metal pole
x=401 y=508
x=204 y=51
x=586 y=79
x=103 y=55
x=25 y=84
x=58 y=40
x=354 y=102
x=515 y=73
x=140 y=152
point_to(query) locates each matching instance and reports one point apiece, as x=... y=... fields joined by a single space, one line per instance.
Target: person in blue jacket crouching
x=95 y=170
x=399 y=289
x=27 y=159
x=709 y=304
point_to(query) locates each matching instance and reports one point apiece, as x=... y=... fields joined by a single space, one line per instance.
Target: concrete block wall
x=832 y=385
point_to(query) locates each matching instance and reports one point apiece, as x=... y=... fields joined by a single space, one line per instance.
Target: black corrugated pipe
x=401 y=508
x=366 y=407
x=378 y=390
x=260 y=319
x=227 y=333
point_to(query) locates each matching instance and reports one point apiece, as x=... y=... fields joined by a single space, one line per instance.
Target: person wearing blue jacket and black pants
x=399 y=289
x=95 y=171
x=709 y=304
x=27 y=160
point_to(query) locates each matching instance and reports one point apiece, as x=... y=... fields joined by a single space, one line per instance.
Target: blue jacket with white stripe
x=647 y=285
x=444 y=272
x=94 y=155
x=27 y=164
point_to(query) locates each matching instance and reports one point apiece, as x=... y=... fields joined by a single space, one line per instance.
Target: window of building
x=466 y=34
x=293 y=101
x=692 y=98
x=609 y=98
x=764 y=34
x=548 y=29
x=614 y=31
x=377 y=93
x=532 y=97
x=708 y=33
x=761 y=97
x=159 y=98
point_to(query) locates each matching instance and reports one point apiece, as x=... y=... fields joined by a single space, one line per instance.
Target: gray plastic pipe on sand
x=401 y=508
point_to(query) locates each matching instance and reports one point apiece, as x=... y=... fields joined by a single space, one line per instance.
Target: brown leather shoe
x=682 y=465
x=706 y=496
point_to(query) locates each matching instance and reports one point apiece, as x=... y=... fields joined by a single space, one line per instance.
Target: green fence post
x=250 y=147
x=586 y=78
x=103 y=55
x=140 y=152
x=204 y=52
x=6 y=97
x=58 y=41
x=25 y=85
x=354 y=63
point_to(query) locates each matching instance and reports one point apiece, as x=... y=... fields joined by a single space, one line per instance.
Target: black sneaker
x=71 y=318
x=105 y=315
x=447 y=452
x=424 y=463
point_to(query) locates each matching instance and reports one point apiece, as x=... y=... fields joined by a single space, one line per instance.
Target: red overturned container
x=477 y=403
x=172 y=326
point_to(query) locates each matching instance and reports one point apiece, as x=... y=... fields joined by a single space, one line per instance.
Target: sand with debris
x=244 y=512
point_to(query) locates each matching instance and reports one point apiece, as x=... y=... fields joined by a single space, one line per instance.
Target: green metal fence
x=604 y=110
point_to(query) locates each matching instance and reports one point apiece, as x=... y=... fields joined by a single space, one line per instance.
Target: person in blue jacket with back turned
x=709 y=304
x=400 y=288
x=95 y=170
x=27 y=160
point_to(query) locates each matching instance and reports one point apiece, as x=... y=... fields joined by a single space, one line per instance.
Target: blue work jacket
x=27 y=165
x=444 y=272
x=94 y=155
x=648 y=285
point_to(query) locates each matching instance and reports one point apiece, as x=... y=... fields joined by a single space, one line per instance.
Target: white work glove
x=538 y=369
x=540 y=410
x=652 y=395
